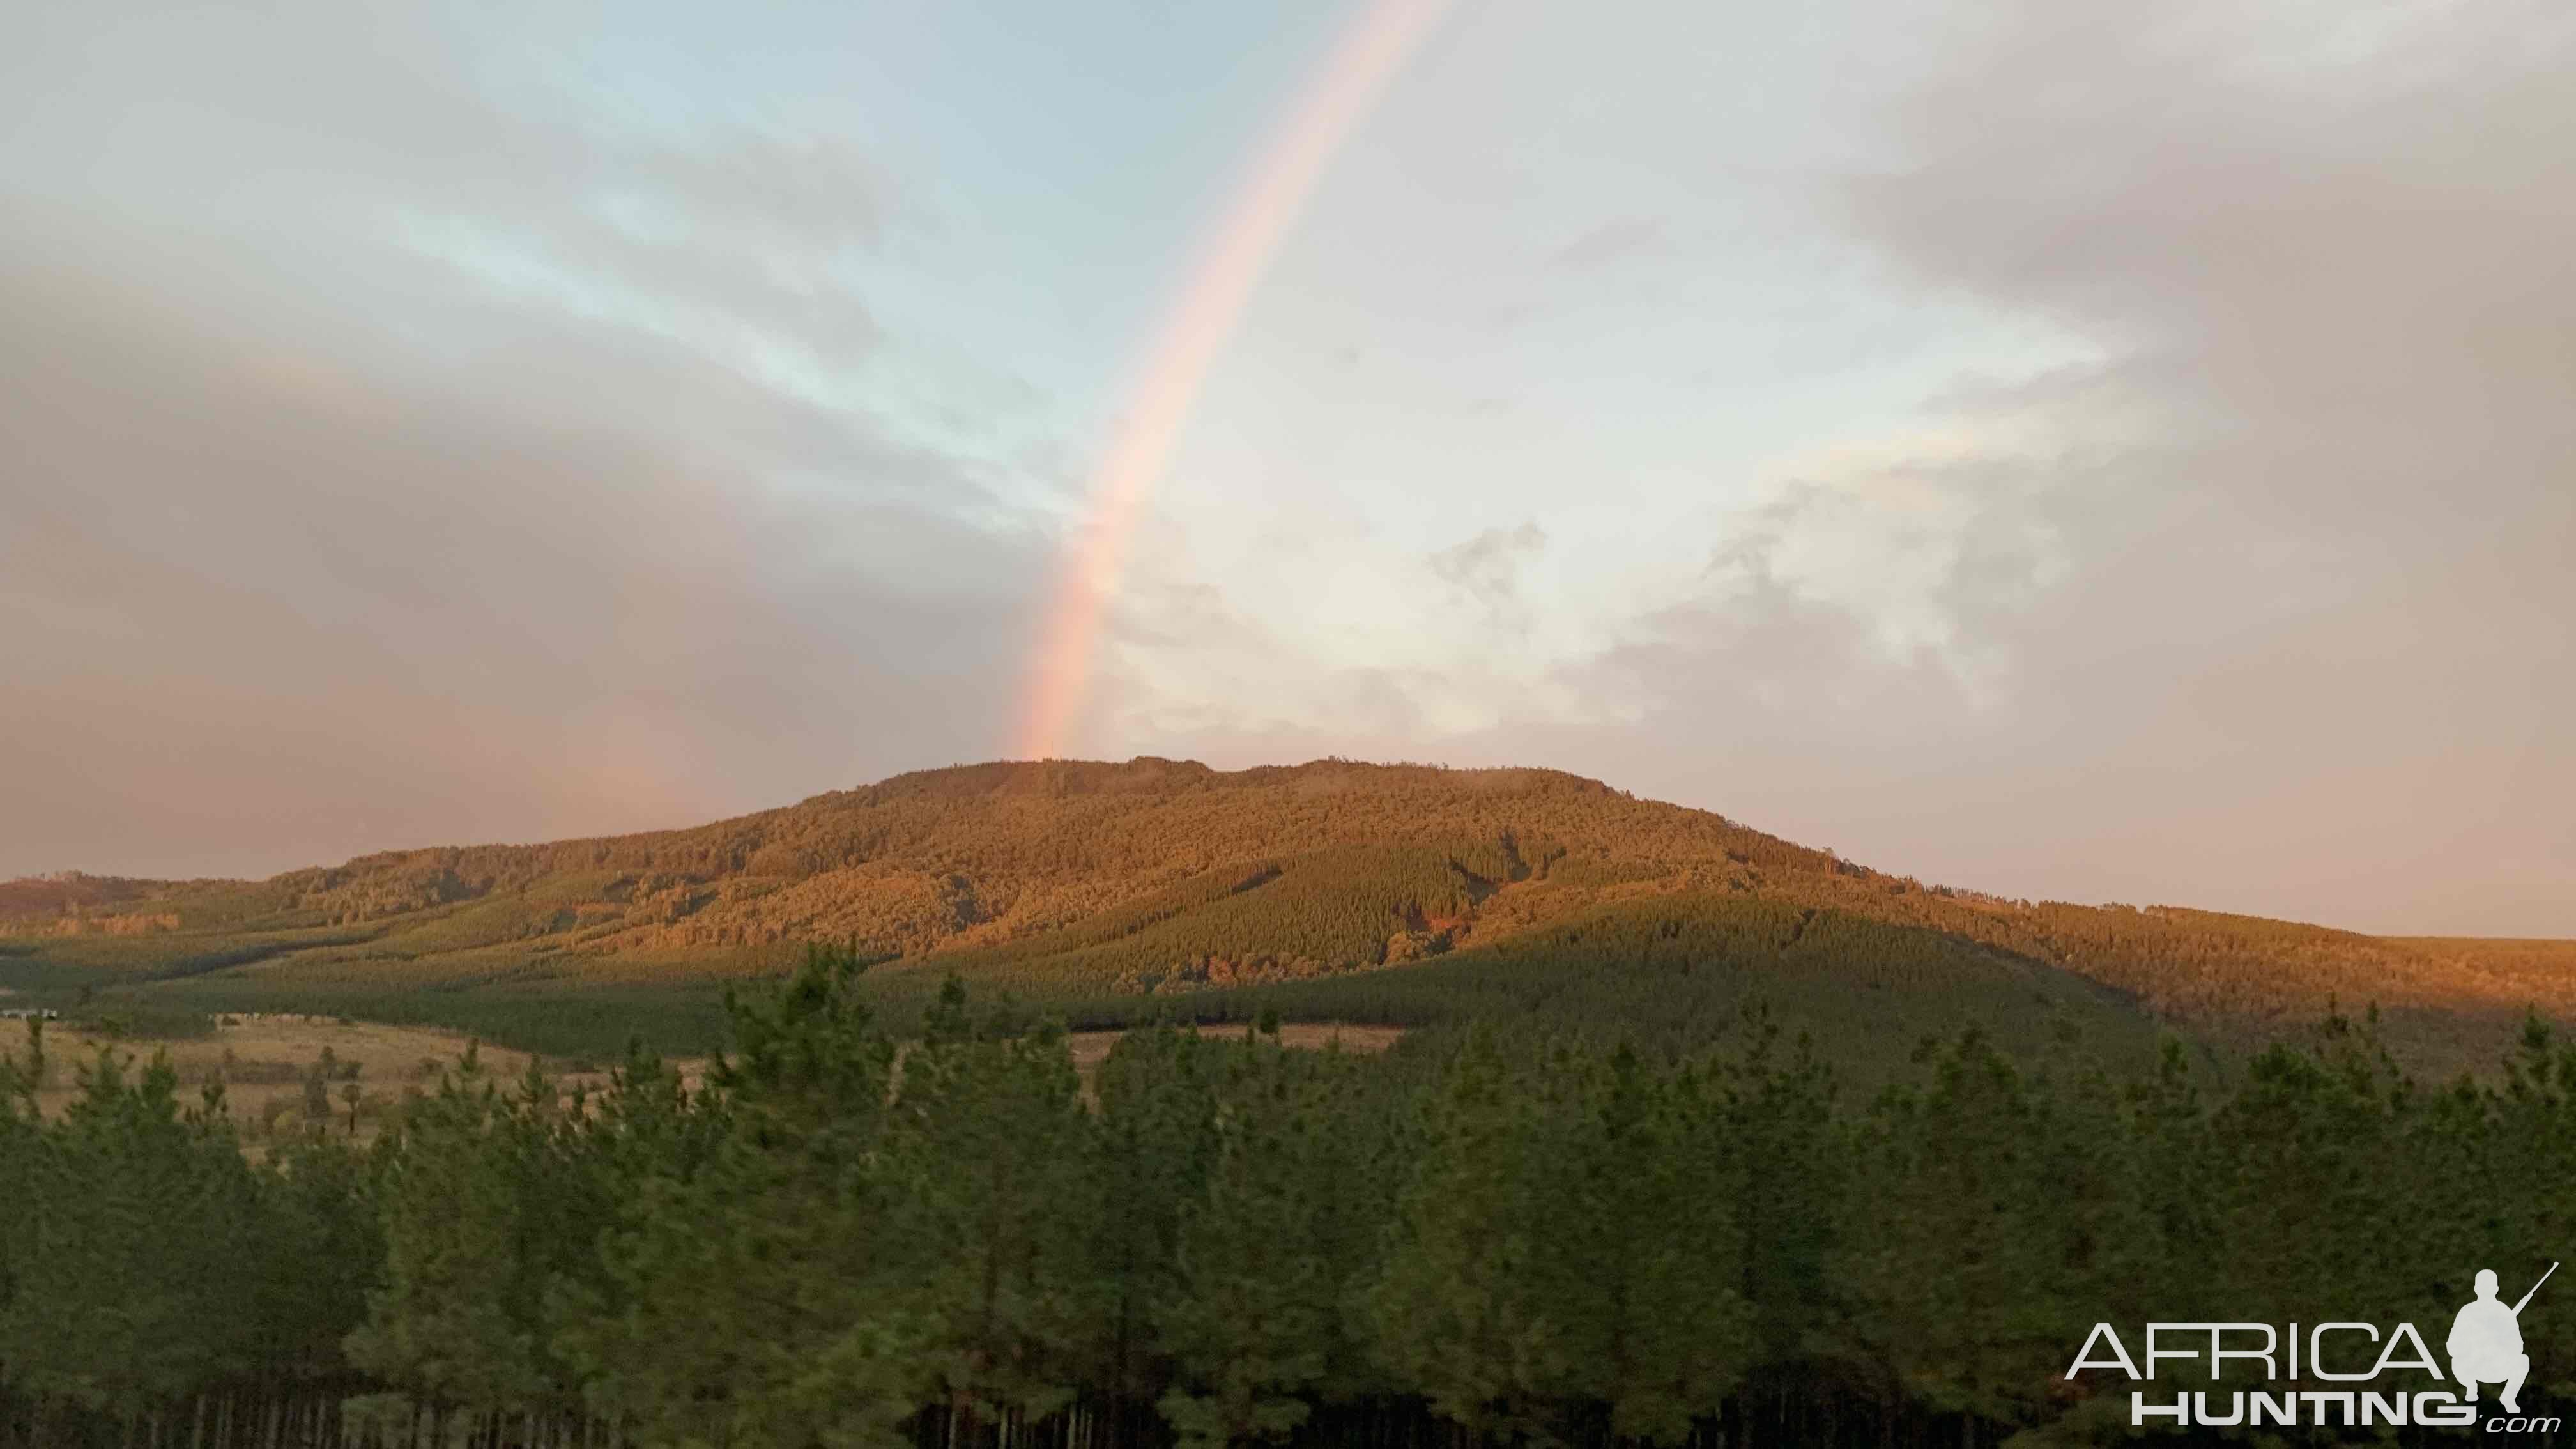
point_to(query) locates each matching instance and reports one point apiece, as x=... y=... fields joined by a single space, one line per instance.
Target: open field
x=1091 y=1048
x=265 y=1063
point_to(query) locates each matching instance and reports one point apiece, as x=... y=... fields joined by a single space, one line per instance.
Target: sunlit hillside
x=1349 y=890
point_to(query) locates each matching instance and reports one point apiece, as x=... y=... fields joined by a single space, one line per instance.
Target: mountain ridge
x=1159 y=876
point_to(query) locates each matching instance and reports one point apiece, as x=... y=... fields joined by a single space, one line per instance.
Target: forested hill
x=1165 y=877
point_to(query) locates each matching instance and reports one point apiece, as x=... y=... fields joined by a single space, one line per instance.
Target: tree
x=124 y=1274
x=1157 y=1134
x=489 y=1210
x=1451 y=1313
x=995 y=1182
x=1954 y=1269
x=1650 y=1257
x=1258 y=1306
x=317 y=1089
x=751 y=1291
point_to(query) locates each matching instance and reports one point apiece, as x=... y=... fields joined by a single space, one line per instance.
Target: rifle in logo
x=2526 y=1298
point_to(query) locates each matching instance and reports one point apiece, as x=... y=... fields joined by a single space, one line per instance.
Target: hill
x=1387 y=892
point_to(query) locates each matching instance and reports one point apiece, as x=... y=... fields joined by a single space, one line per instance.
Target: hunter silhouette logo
x=2486 y=1342
x=2484 y=1347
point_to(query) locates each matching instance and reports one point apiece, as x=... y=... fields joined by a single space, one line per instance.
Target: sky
x=2072 y=450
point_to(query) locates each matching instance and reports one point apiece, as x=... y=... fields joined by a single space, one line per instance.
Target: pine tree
x=1265 y=1266
x=751 y=1292
x=1650 y=1256
x=1451 y=1314
x=1157 y=1135
x=996 y=1181
x=1950 y=1270
x=126 y=1273
x=488 y=1212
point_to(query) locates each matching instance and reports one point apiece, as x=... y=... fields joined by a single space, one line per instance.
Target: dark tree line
x=1490 y=1235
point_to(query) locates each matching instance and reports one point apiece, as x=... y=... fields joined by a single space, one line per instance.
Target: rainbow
x=1367 y=56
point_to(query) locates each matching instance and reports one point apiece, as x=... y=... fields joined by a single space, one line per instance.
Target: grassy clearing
x=266 y=1063
x=1091 y=1048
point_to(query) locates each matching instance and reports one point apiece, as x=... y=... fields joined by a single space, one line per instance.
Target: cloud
x=2260 y=604
x=411 y=439
x=2268 y=604
x=264 y=625
x=1612 y=241
x=1487 y=570
x=390 y=466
